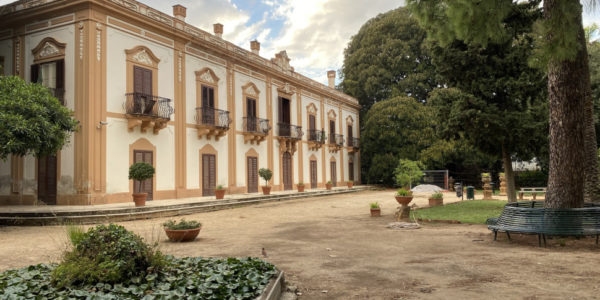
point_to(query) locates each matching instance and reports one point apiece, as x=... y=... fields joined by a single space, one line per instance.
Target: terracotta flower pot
x=184 y=235
x=140 y=199
x=266 y=190
x=404 y=200
x=220 y=194
x=328 y=186
x=375 y=212
x=350 y=184
x=300 y=188
x=435 y=202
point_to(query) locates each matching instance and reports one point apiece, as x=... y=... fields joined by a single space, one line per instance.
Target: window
x=208 y=96
x=332 y=132
x=51 y=75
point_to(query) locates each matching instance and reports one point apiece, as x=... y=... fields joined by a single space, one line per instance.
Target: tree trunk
x=591 y=191
x=509 y=175
x=566 y=97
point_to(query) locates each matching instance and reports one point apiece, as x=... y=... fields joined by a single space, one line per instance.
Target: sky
x=313 y=32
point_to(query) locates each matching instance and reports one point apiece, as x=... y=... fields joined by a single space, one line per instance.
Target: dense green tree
x=32 y=121
x=562 y=49
x=396 y=128
x=387 y=58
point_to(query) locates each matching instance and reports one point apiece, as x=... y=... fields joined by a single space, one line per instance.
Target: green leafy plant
x=75 y=233
x=181 y=278
x=32 y=120
x=265 y=174
x=182 y=224
x=300 y=183
x=485 y=175
x=437 y=195
x=407 y=172
x=219 y=187
x=106 y=254
x=404 y=193
x=140 y=172
x=329 y=182
x=374 y=205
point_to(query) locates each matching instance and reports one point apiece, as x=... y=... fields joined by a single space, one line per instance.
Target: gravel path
x=330 y=248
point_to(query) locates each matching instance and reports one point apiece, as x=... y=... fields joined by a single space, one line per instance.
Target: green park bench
x=530 y=217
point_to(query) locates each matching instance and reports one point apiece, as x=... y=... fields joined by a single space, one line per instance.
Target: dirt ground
x=330 y=248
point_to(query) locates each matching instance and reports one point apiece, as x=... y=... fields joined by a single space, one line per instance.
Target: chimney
x=179 y=11
x=255 y=46
x=331 y=77
x=218 y=28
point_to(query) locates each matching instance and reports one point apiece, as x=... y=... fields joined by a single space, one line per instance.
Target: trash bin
x=459 y=190
x=470 y=193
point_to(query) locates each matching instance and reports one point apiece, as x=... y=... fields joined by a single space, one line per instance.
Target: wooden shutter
x=252 y=174
x=312 y=122
x=147 y=82
x=333 y=173
x=313 y=174
x=351 y=171
x=208 y=174
x=350 y=132
x=211 y=97
x=204 y=96
x=250 y=108
x=287 y=171
x=138 y=79
x=60 y=81
x=280 y=107
x=35 y=73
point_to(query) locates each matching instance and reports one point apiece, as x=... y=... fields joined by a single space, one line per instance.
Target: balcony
x=316 y=139
x=288 y=135
x=147 y=111
x=58 y=94
x=353 y=145
x=336 y=142
x=212 y=122
x=255 y=130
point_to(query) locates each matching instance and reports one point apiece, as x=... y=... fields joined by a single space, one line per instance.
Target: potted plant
x=220 y=192
x=182 y=231
x=265 y=174
x=140 y=172
x=328 y=185
x=436 y=199
x=404 y=196
x=300 y=187
x=375 y=209
x=350 y=184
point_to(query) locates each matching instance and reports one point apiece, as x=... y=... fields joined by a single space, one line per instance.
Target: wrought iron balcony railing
x=336 y=139
x=213 y=117
x=289 y=131
x=58 y=94
x=148 y=106
x=317 y=136
x=354 y=142
x=256 y=125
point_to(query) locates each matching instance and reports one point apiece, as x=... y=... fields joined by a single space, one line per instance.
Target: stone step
x=95 y=215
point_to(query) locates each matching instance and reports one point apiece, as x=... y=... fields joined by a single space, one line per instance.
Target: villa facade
x=147 y=86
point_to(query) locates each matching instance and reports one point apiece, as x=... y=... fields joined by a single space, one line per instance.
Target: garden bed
x=189 y=278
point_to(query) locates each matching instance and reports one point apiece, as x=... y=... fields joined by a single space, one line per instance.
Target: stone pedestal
x=487 y=188
x=502 y=184
x=451 y=184
x=402 y=213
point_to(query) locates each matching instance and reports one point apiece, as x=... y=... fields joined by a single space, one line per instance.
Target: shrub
x=300 y=183
x=329 y=182
x=140 y=172
x=219 y=187
x=374 y=205
x=181 y=225
x=265 y=174
x=75 y=234
x=437 y=195
x=107 y=254
x=408 y=172
x=531 y=179
x=403 y=193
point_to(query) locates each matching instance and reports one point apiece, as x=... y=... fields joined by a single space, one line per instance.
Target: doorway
x=147 y=186
x=252 y=174
x=313 y=174
x=333 y=174
x=209 y=174
x=287 y=171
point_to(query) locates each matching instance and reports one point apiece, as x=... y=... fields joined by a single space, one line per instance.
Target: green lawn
x=473 y=211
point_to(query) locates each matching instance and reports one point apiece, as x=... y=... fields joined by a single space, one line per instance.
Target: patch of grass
x=473 y=212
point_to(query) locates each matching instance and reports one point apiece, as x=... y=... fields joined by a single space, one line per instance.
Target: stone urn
x=487 y=188
x=502 y=184
x=404 y=200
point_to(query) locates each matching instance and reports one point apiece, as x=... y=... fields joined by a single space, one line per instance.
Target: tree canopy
x=32 y=121
x=387 y=58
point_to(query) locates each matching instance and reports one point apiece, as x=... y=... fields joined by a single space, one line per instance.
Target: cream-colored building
x=146 y=86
